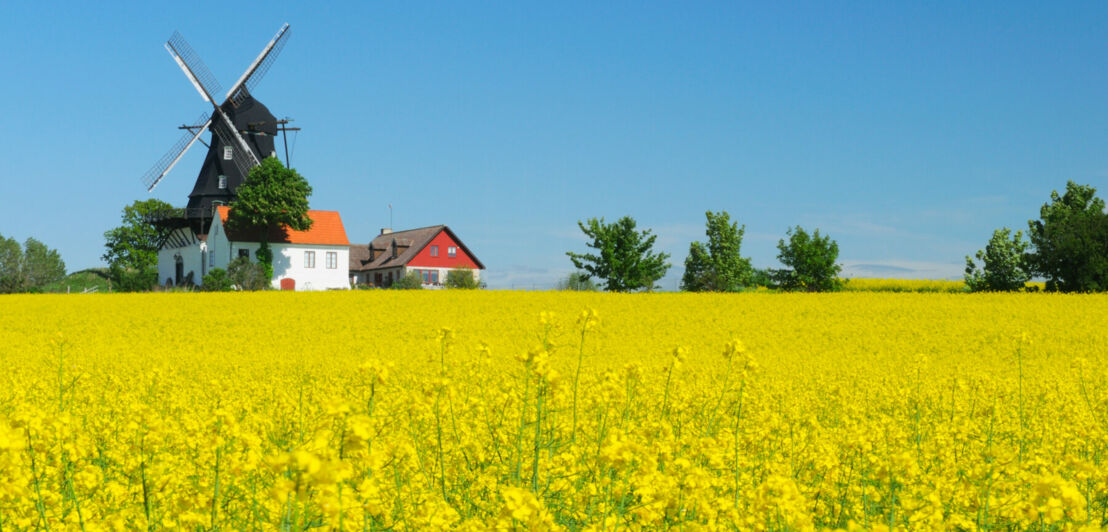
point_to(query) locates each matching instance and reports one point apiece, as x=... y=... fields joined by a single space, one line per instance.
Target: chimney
x=386 y=230
x=372 y=255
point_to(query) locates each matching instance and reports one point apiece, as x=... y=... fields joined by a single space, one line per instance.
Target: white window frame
x=332 y=260
x=228 y=153
x=309 y=259
x=452 y=251
x=222 y=182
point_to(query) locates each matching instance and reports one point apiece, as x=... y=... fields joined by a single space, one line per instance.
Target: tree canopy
x=1003 y=265
x=626 y=261
x=28 y=268
x=717 y=266
x=132 y=248
x=12 y=278
x=576 y=282
x=272 y=196
x=810 y=260
x=41 y=264
x=1070 y=241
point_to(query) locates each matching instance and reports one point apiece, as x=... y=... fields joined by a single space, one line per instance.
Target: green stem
x=738 y=419
x=39 y=504
x=1019 y=358
x=215 y=491
x=538 y=438
x=577 y=378
x=665 y=396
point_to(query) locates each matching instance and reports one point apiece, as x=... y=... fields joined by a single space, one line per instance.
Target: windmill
x=242 y=130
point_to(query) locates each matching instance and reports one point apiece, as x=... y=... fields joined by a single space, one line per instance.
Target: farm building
x=432 y=252
x=316 y=259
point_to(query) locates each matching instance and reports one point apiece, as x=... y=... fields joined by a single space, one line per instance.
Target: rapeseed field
x=534 y=411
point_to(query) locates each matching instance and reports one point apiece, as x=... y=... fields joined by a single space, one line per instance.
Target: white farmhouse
x=316 y=259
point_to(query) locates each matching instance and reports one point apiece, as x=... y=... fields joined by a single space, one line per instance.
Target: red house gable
x=443 y=241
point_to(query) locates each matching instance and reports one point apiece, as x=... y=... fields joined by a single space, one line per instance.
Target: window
x=435 y=276
x=222 y=182
x=211 y=260
x=452 y=251
x=332 y=260
x=434 y=251
x=309 y=259
x=228 y=153
x=426 y=275
x=244 y=253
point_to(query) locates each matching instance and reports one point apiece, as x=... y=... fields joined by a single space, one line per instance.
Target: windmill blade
x=155 y=174
x=241 y=154
x=193 y=67
x=243 y=157
x=257 y=70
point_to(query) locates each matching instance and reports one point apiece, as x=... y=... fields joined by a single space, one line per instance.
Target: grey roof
x=408 y=244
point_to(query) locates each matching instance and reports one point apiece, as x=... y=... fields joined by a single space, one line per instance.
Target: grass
x=78 y=282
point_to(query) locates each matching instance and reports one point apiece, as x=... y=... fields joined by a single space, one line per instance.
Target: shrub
x=217 y=281
x=247 y=275
x=411 y=281
x=461 y=278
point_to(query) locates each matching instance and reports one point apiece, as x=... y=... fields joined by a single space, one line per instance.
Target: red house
x=431 y=252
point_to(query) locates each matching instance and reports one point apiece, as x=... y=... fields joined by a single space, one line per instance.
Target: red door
x=288 y=283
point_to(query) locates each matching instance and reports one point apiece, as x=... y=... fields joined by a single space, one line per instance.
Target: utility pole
x=282 y=126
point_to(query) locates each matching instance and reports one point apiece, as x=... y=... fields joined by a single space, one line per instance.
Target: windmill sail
x=257 y=70
x=194 y=68
x=155 y=174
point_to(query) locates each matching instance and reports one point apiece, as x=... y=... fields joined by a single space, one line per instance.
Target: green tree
x=1070 y=241
x=271 y=197
x=577 y=282
x=41 y=265
x=763 y=277
x=717 y=265
x=217 y=281
x=1003 y=265
x=411 y=281
x=248 y=275
x=12 y=278
x=132 y=248
x=462 y=278
x=626 y=261
x=810 y=260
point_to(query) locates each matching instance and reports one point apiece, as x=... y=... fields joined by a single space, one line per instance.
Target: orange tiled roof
x=326 y=229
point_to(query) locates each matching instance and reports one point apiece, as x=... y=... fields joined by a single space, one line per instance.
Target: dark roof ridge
x=410 y=230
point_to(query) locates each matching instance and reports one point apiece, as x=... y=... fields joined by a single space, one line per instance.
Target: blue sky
x=906 y=131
